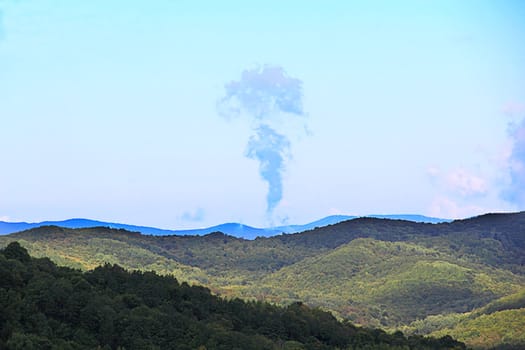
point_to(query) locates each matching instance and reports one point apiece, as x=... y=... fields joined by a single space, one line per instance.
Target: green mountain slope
x=499 y=324
x=501 y=329
x=219 y=255
x=83 y=249
x=391 y=283
x=43 y=306
x=379 y=272
x=494 y=239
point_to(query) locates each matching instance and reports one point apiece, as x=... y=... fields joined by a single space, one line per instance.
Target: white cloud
x=460 y=193
x=458 y=182
x=432 y=171
x=465 y=183
x=445 y=207
x=513 y=109
x=5 y=218
x=197 y=215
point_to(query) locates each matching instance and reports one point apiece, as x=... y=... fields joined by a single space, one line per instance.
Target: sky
x=180 y=114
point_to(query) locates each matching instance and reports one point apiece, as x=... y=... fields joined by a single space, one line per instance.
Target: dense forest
x=421 y=278
x=43 y=306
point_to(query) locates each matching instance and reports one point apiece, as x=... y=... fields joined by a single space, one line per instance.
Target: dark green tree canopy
x=43 y=306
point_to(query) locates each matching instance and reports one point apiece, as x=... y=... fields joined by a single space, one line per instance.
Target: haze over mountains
x=233 y=229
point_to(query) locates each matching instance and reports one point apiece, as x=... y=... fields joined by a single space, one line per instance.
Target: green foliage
x=15 y=251
x=509 y=302
x=83 y=251
x=498 y=324
x=43 y=306
x=392 y=282
x=374 y=272
x=501 y=328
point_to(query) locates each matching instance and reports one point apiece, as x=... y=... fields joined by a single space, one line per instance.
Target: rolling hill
x=43 y=306
x=375 y=272
x=392 y=282
x=497 y=324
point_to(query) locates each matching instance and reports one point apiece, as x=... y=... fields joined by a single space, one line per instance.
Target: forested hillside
x=374 y=272
x=43 y=306
x=392 y=282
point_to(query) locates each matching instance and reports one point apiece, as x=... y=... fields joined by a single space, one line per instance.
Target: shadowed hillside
x=43 y=306
x=377 y=272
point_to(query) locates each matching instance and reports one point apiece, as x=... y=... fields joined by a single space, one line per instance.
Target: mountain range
x=465 y=278
x=44 y=306
x=233 y=229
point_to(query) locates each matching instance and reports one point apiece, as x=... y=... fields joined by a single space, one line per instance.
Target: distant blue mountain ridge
x=232 y=229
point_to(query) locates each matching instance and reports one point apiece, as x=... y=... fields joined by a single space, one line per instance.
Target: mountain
x=329 y=220
x=44 y=306
x=374 y=272
x=10 y=227
x=393 y=282
x=335 y=219
x=411 y=217
x=498 y=324
x=233 y=229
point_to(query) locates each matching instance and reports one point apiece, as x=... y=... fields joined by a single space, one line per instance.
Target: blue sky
x=193 y=113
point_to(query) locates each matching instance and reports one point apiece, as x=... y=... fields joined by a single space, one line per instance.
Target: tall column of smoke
x=265 y=95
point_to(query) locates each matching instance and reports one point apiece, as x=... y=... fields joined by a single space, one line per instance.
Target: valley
x=465 y=278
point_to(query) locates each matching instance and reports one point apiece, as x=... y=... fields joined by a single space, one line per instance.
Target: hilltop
x=232 y=228
x=47 y=307
x=375 y=272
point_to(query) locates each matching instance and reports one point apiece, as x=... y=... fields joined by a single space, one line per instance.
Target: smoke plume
x=269 y=148
x=266 y=96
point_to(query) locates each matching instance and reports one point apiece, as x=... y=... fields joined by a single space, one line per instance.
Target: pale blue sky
x=109 y=109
